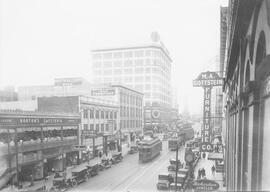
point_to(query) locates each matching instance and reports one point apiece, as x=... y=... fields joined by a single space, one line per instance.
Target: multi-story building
x=130 y=104
x=146 y=68
x=99 y=121
x=8 y=94
x=247 y=84
x=32 y=143
x=129 y=101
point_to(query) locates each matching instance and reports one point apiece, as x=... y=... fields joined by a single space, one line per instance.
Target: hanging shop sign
x=207 y=80
x=206 y=147
x=205 y=185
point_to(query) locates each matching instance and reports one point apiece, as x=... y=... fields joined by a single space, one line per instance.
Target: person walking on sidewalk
x=203 y=172
x=213 y=169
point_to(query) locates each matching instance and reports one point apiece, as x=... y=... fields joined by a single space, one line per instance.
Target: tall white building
x=146 y=68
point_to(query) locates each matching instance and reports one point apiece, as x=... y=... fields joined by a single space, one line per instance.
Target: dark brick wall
x=67 y=104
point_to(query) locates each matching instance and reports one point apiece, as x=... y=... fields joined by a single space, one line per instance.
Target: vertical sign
x=206 y=115
x=207 y=80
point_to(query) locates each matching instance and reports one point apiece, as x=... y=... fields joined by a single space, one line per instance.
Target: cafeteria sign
x=204 y=185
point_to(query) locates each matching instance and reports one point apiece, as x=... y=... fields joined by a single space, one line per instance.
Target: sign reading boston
x=205 y=185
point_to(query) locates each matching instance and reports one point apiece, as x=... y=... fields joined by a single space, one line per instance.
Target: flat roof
x=141 y=46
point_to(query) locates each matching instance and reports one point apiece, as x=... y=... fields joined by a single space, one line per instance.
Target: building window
x=91 y=127
x=107 y=55
x=107 y=127
x=91 y=114
x=127 y=63
x=97 y=128
x=102 y=127
x=139 y=53
x=97 y=114
x=85 y=127
x=107 y=114
x=85 y=114
x=97 y=56
x=111 y=115
x=117 y=55
x=102 y=115
x=128 y=54
x=115 y=115
x=108 y=64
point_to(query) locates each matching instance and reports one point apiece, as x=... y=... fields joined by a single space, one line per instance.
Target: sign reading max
x=207 y=80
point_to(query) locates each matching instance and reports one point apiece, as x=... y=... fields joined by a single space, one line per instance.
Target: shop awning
x=215 y=156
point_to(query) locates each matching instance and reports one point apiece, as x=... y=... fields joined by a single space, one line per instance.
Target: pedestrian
x=203 y=172
x=199 y=174
x=213 y=169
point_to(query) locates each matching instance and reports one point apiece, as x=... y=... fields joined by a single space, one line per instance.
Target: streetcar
x=174 y=141
x=149 y=148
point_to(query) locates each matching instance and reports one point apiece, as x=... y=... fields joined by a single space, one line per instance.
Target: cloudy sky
x=42 y=40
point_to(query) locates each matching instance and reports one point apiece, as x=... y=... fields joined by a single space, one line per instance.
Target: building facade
x=34 y=143
x=99 y=121
x=146 y=68
x=247 y=96
x=130 y=104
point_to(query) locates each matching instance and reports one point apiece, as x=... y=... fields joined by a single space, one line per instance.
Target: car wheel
x=74 y=183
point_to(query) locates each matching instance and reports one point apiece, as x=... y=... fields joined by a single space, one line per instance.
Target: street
x=131 y=176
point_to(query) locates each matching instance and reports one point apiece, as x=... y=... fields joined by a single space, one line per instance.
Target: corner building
x=246 y=88
x=146 y=68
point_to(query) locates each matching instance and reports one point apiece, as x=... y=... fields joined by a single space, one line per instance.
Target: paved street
x=131 y=176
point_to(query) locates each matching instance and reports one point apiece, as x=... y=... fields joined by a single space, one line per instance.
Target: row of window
x=128 y=63
x=99 y=114
x=131 y=99
x=129 y=54
x=128 y=124
x=130 y=112
x=99 y=127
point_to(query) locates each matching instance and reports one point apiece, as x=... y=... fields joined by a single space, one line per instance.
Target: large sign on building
x=103 y=92
x=207 y=80
x=68 y=81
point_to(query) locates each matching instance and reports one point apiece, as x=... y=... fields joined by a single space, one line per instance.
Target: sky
x=43 y=40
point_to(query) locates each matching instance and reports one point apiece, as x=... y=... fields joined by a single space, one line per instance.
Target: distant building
x=146 y=68
x=8 y=94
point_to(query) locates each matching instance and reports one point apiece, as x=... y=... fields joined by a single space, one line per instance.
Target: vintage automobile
x=133 y=149
x=106 y=163
x=178 y=187
x=116 y=158
x=164 y=180
x=79 y=175
x=59 y=174
x=92 y=170
x=61 y=184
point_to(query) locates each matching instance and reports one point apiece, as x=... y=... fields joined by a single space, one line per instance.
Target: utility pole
x=176 y=169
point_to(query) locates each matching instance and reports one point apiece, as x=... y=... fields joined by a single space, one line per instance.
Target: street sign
x=205 y=185
x=206 y=147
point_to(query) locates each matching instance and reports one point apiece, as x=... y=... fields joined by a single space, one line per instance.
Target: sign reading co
x=206 y=147
x=205 y=185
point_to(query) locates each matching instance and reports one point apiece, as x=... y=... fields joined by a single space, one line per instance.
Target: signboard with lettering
x=205 y=185
x=207 y=80
x=67 y=81
x=79 y=147
x=103 y=92
x=22 y=121
x=206 y=147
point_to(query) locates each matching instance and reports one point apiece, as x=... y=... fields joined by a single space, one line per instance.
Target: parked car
x=133 y=149
x=164 y=180
x=61 y=184
x=116 y=158
x=106 y=163
x=92 y=170
x=79 y=175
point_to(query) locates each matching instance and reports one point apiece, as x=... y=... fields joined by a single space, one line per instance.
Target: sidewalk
x=207 y=165
x=49 y=182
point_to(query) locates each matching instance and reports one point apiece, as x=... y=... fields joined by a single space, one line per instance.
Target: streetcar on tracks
x=149 y=148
